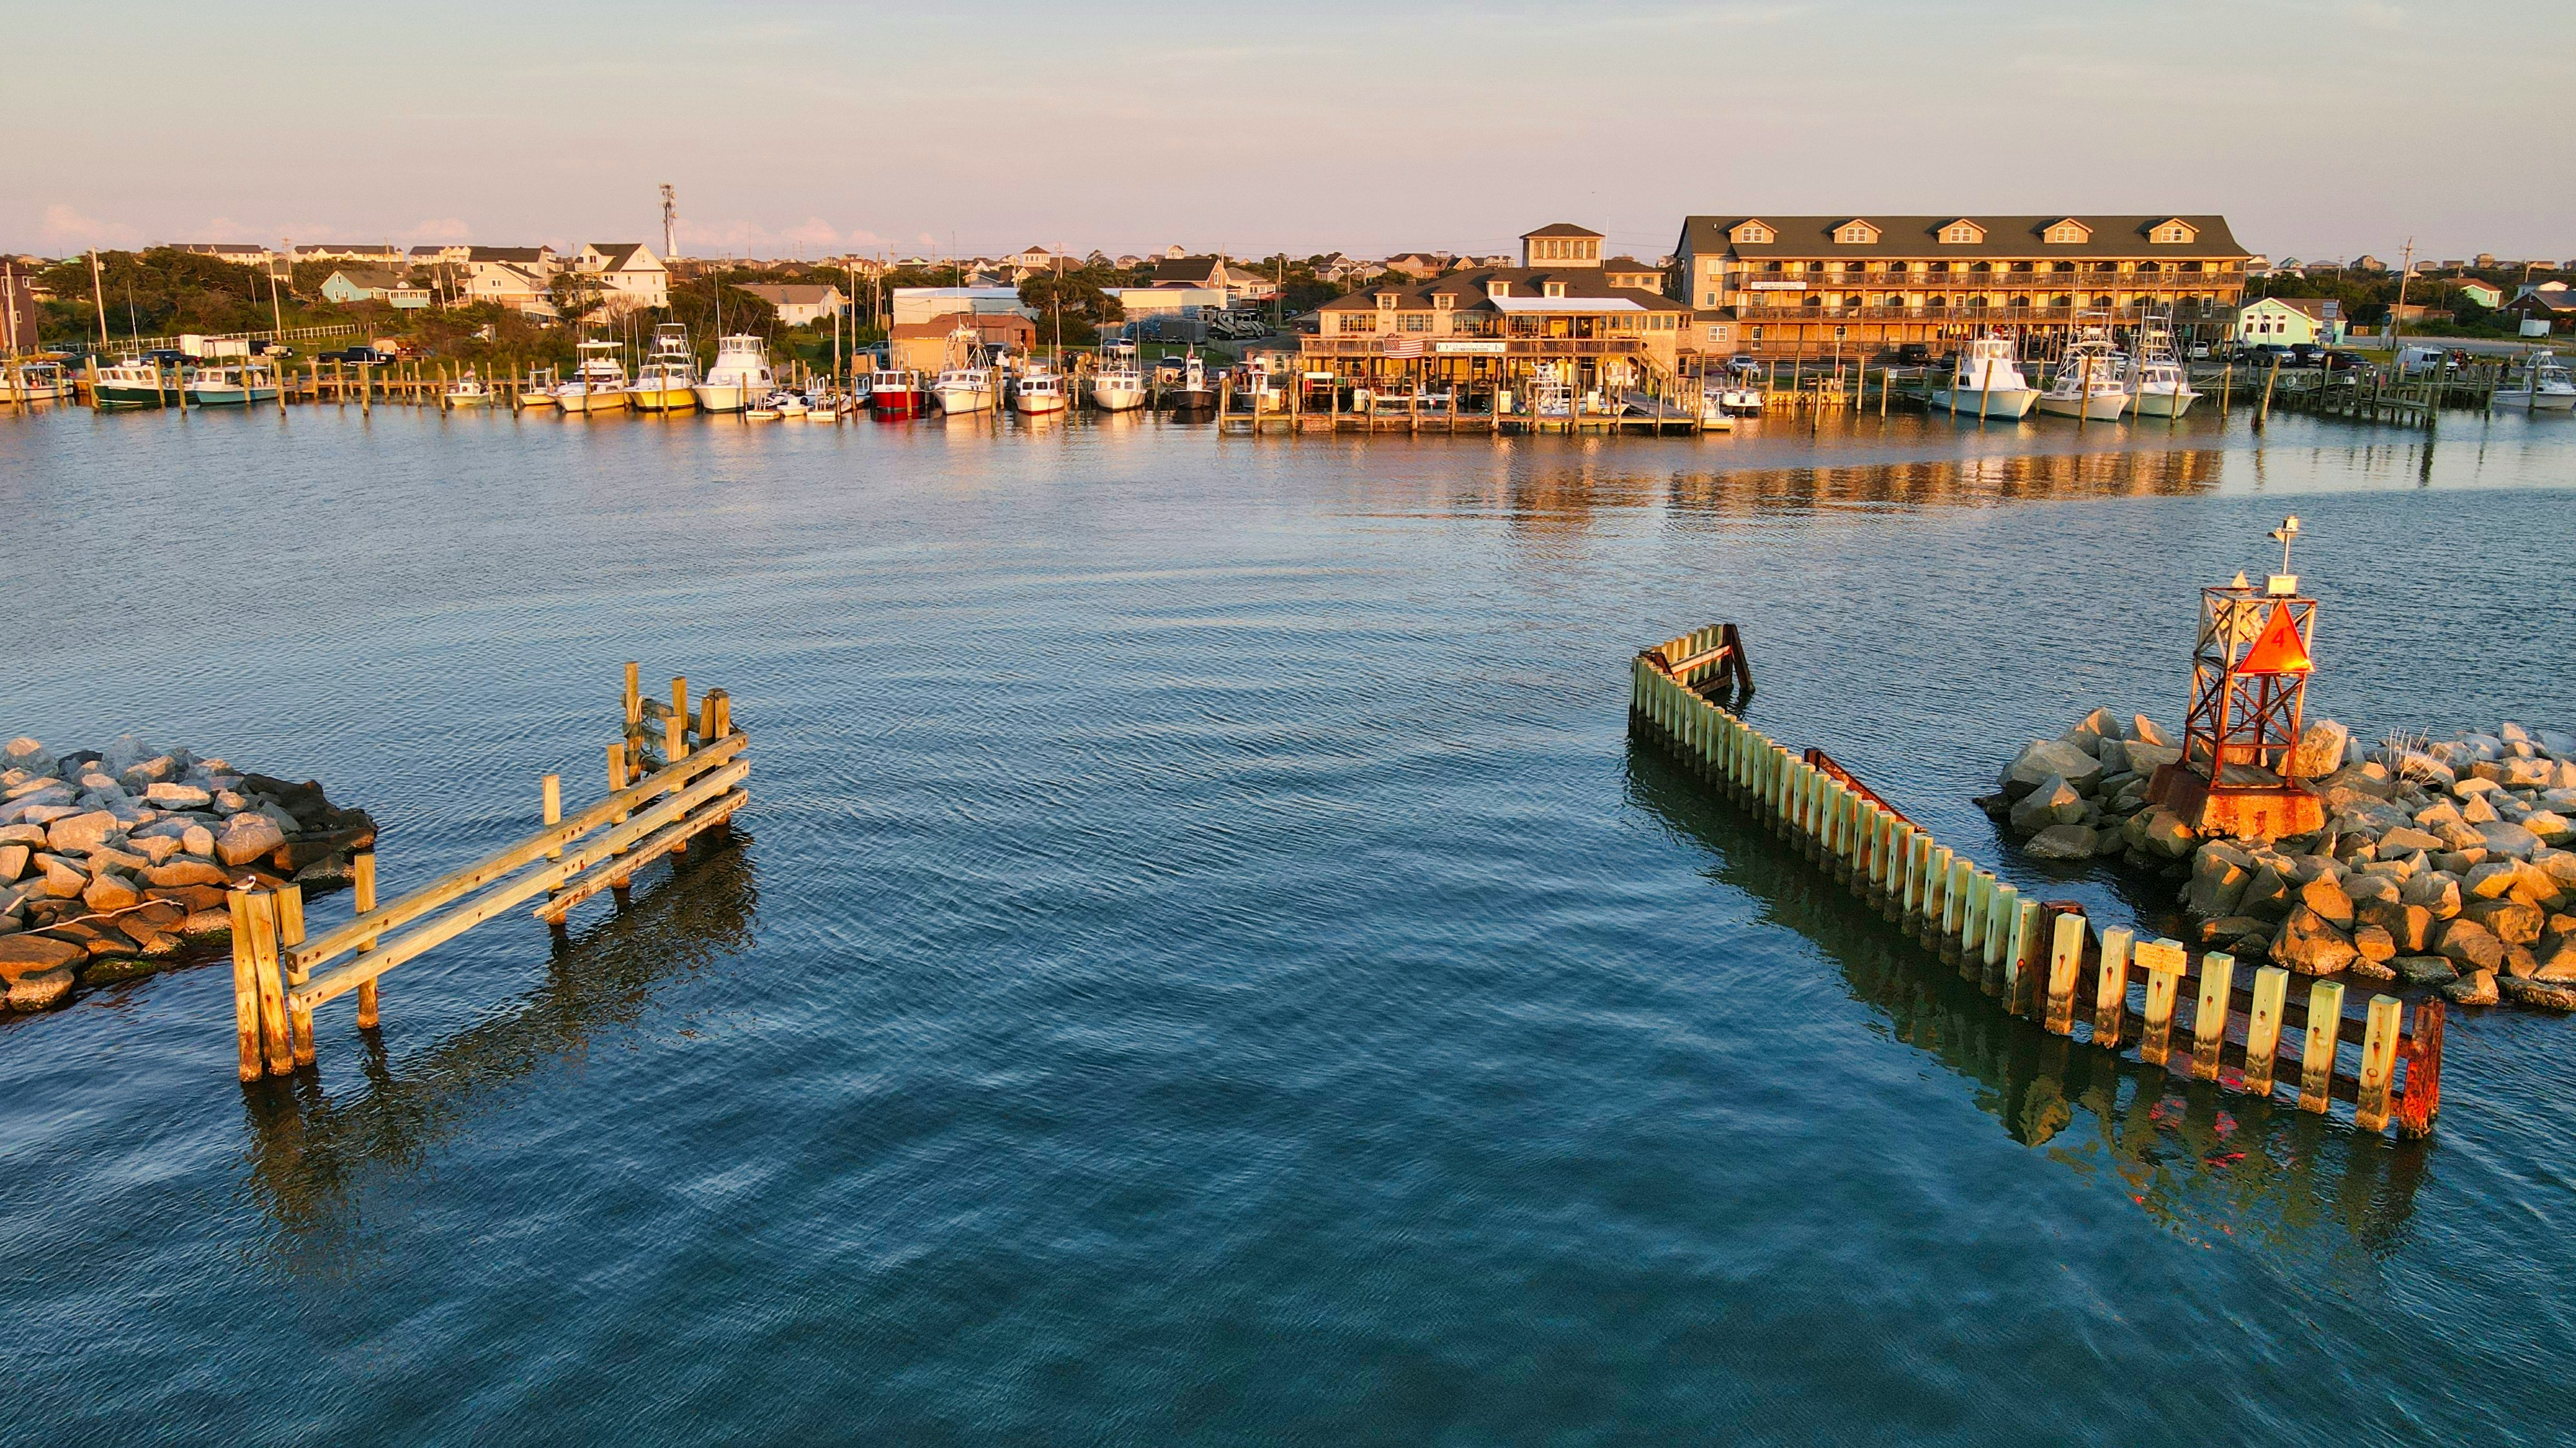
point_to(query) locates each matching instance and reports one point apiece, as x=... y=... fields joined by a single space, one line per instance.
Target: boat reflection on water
x=313 y=1155
x=2204 y=1163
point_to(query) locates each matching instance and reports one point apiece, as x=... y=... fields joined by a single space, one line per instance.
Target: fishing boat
x=784 y=402
x=2545 y=387
x=1987 y=381
x=739 y=377
x=134 y=382
x=2088 y=384
x=668 y=379
x=597 y=384
x=822 y=404
x=466 y=391
x=233 y=385
x=896 y=394
x=965 y=381
x=1191 y=391
x=36 y=382
x=1550 y=395
x=2154 y=379
x=1740 y=394
x=1039 y=391
x=539 y=389
x=1118 y=384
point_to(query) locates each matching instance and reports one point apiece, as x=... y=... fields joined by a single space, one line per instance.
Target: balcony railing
x=2181 y=310
x=1376 y=346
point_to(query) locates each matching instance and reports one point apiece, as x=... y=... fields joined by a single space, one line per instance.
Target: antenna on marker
x=670 y=220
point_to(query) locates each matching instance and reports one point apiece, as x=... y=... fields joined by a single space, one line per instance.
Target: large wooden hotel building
x=1818 y=286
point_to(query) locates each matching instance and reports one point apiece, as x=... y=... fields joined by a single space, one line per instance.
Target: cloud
x=813 y=231
x=813 y=237
x=67 y=227
x=445 y=228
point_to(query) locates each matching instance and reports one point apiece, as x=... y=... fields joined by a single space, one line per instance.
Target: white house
x=627 y=271
x=797 y=303
x=499 y=281
x=2289 y=321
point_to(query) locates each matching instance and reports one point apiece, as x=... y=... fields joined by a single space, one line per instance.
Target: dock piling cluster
x=2039 y=959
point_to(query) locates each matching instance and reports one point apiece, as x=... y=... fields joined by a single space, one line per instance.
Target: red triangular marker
x=2280 y=650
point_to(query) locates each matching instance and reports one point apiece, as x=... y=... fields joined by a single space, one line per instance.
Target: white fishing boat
x=2157 y=384
x=538 y=390
x=597 y=384
x=822 y=404
x=784 y=402
x=236 y=385
x=466 y=391
x=740 y=376
x=667 y=381
x=965 y=381
x=134 y=382
x=1118 y=384
x=1191 y=391
x=36 y=382
x=1550 y=395
x=2088 y=383
x=1986 y=381
x=1038 y=392
x=2545 y=387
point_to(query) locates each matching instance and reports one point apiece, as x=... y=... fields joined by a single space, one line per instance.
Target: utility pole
x=2396 y=319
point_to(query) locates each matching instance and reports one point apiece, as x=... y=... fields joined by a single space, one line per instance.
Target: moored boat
x=598 y=384
x=667 y=381
x=133 y=382
x=1118 y=384
x=466 y=391
x=1038 y=392
x=739 y=377
x=232 y=385
x=2546 y=387
x=1191 y=390
x=2088 y=383
x=43 y=381
x=1987 y=381
x=896 y=394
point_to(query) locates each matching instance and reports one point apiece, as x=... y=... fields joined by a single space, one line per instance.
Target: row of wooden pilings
x=2041 y=960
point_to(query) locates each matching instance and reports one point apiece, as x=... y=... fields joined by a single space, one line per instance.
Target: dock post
x=2378 y=1062
x=261 y=908
x=2209 y=1022
x=362 y=867
x=2263 y=1028
x=2022 y=961
x=2164 y=963
x=2316 y=1064
x=550 y=811
x=1956 y=886
x=2111 y=987
x=290 y=933
x=2423 y=1052
x=2065 y=962
x=245 y=984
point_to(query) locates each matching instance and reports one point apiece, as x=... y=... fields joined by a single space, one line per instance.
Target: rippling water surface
x=1205 y=963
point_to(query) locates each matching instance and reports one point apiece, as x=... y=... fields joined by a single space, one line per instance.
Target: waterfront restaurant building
x=1822 y=286
x=1473 y=330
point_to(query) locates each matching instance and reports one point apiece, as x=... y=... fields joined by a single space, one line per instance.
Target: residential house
x=1817 y=285
x=2368 y=263
x=800 y=304
x=1169 y=313
x=1039 y=258
x=19 y=310
x=1483 y=328
x=362 y=284
x=384 y=256
x=2289 y=322
x=1418 y=265
x=2544 y=309
x=510 y=286
x=628 y=273
x=2484 y=293
x=448 y=252
x=925 y=304
x=536 y=261
x=1627 y=271
x=240 y=252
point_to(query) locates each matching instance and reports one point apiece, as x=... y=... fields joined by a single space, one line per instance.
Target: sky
x=2319 y=128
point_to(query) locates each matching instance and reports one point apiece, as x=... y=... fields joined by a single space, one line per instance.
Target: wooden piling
x=2065 y=962
x=2164 y=963
x=2111 y=988
x=2263 y=1027
x=2316 y=1064
x=2209 y=1021
x=290 y=933
x=2378 y=1062
x=363 y=899
x=261 y=908
x=2423 y=1052
x=245 y=985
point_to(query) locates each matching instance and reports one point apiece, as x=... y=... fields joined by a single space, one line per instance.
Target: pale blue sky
x=2320 y=127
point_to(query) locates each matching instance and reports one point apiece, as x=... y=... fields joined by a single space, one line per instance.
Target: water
x=1205 y=963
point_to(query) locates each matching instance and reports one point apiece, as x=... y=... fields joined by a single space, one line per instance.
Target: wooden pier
x=2183 y=1011
x=687 y=780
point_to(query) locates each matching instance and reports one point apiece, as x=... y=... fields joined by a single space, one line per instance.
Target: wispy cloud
x=66 y=227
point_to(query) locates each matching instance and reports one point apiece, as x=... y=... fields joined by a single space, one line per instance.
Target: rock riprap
x=2441 y=865
x=114 y=862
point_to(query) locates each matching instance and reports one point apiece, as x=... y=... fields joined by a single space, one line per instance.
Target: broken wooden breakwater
x=2041 y=959
x=670 y=779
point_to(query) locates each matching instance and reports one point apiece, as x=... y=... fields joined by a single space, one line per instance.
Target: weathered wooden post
x=261 y=909
x=2164 y=963
x=2065 y=962
x=290 y=933
x=362 y=866
x=2263 y=1027
x=2209 y=1022
x=2325 y=1026
x=2378 y=1062
x=245 y=984
x=2111 y=988
x=2423 y=1052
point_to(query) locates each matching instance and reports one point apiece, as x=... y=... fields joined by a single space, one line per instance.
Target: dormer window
x=1856 y=233
x=1751 y=233
x=1386 y=301
x=2067 y=231
x=1556 y=289
x=2173 y=231
x=1962 y=232
x=1443 y=301
x=1498 y=288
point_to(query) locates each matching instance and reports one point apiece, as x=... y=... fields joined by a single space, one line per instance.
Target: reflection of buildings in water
x=2203 y=1163
x=1935 y=482
x=310 y=1155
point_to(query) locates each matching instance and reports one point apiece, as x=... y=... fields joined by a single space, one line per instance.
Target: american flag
x=1404 y=346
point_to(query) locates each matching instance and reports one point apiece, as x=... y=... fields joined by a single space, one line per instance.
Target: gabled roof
x=516 y=255
x=1562 y=228
x=792 y=294
x=614 y=255
x=1187 y=271
x=370 y=278
x=2313 y=308
x=1913 y=236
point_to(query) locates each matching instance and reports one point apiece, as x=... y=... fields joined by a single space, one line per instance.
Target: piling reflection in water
x=310 y=1156
x=2204 y=1163
x=1963 y=481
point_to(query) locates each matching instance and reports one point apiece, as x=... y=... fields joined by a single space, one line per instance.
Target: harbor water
x=1205 y=961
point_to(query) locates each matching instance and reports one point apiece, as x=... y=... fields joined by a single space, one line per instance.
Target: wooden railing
x=280 y=975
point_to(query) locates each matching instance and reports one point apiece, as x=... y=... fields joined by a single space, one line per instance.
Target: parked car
x=2199 y=352
x=167 y=357
x=1913 y=354
x=2340 y=360
x=354 y=355
x=2304 y=354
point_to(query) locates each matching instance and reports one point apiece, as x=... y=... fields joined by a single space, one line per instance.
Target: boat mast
x=98 y=290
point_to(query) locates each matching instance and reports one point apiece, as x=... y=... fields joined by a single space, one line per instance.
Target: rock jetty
x=2442 y=865
x=114 y=863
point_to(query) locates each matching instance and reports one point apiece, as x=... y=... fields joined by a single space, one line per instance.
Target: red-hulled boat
x=897 y=394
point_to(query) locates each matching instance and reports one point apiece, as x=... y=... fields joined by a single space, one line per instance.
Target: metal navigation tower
x=2249 y=687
